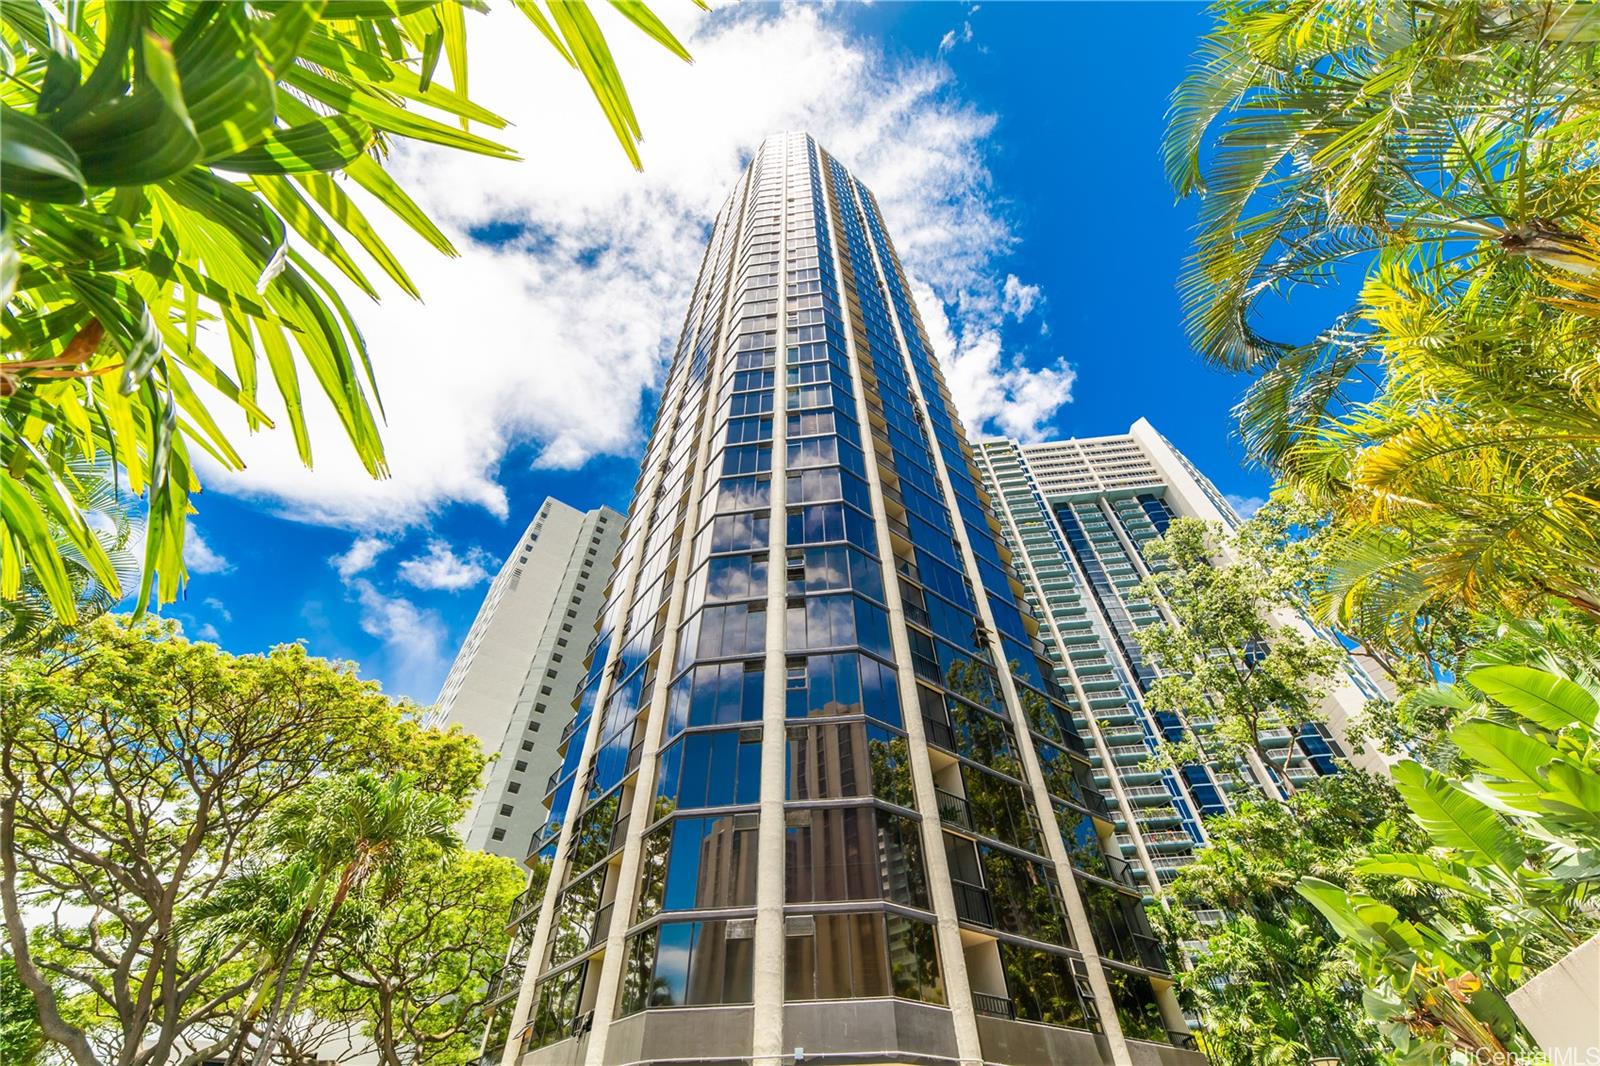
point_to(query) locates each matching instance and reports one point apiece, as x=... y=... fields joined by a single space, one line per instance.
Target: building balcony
x=994 y=1006
x=1145 y=795
x=953 y=809
x=972 y=903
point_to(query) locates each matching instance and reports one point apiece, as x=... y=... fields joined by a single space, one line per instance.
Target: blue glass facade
x=820 y=754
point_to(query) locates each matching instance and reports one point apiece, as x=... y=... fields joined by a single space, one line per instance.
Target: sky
x=1014 y=148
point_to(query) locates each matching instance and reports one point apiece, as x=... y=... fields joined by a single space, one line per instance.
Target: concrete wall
x=1561 y=1006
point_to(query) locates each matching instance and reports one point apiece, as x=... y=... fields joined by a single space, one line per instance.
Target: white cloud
x=359 y=557
x=555 y=335
x=1245 y=505
x=219 y=607
x=414 y=638
x=955 y=37
x=1019 y=299
x=208 y=632
x=440 y=568
x=198 y=556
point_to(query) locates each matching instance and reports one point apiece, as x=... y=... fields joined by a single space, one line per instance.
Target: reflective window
x=848 y=760
x=723 y=632
x=1043 y=987
x=556 y=1005
x=744 y=494
x=1137 y=1007
x=687 y=964
x=845 y=683
x=711 y=862
x=1025 y=895
x=573 y=923
x=842 y=853
x=838 y=621
x=716 y=694
x=714 y=769
x=1001 y=809
x=835 y=956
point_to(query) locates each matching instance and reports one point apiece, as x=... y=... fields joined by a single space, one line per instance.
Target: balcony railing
x=994 y=1006
x=953 y=808
x=972 y=903
x=939 y=733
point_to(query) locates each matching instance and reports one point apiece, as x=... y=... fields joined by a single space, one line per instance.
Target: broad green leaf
x=1336 y=906
x=322 y=144
x=127 y=321
x=1546 y=699
x=281 y=37
x=280 y=361
x=370 y=176
x=374 y=9
x=227 y=89
x=38 y=164
x=454 y=26
x=142 y=137
x=340 y=56
x=590 y=55
x=1505 y=752
x=10 y=263
x=1457 y=820
x=27 y=528
x=1576 y=792
x=1448 y=875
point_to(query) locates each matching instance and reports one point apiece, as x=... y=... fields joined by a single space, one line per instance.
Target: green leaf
x=28 y=529
x=455 y=43
x=227 y=90
x=1336 y=906
x=281 y=37
x=1506 y=752
x=326 y=193
x=593 y=59
x=38 y=165
x=320 y=145
x=1457 y=820
x=641 y=16
x=127 y=320
x=10 y=263
x=1447 y=875
x=355 y=103
x=370 y=176
x=139 y=138
x=293 y=209
x=1546 y=699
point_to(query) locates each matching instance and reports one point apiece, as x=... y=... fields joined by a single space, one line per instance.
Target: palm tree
x=348 y=835
x=1447 y=417
x=166 y=169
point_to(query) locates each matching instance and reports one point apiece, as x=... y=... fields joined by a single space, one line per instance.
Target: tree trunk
x=264 y=1053
x=51 y=1024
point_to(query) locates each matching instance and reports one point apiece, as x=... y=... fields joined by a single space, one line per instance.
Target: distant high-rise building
x=1077 y=514
x=822 y=797
x=512 y=681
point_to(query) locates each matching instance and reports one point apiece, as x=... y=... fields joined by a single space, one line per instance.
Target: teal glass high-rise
x=822 y=797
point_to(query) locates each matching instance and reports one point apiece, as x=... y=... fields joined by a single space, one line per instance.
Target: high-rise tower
x=1078 y=514
x=512 y=681
x=822 y=796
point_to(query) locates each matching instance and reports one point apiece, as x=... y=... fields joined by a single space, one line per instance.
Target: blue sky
x=1015 y=147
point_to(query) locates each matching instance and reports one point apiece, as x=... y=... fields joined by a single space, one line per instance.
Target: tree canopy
x=190 y=839
x=178 y=179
